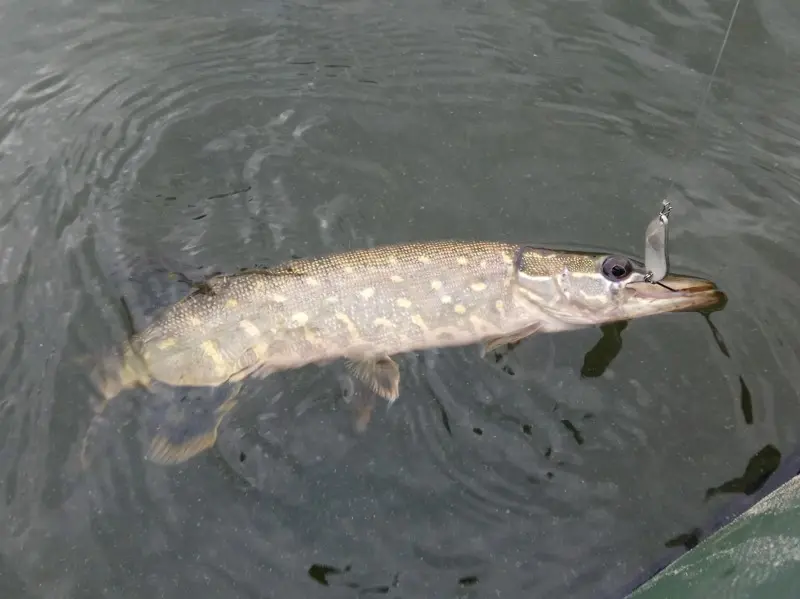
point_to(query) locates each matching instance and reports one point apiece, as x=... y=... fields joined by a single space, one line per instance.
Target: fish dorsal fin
x=297 y=267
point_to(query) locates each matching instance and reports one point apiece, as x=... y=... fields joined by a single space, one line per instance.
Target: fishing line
x=693 y=132
x=656 y=236
x=661 y=231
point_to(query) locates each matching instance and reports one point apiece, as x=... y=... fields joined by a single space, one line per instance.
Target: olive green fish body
x=366 y=305
x=357 y=305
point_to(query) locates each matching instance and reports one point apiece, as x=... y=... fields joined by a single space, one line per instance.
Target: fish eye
x=616 y=268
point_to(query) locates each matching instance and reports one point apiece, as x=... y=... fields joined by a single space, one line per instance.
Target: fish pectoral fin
x=361 y=401
x=185 y=433
x=382 y=375
x=255 y=371
x=493 y=343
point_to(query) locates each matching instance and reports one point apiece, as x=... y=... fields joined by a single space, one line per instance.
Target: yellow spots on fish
x=417 y=320
x=261 y=350
x=249 y=328
x=500 y=307
x=446 y=299
x=211 y=348
x=300 y=318
x=277 y=297
x=397 y=279
x=311 y=281
x=459 y=308
x=462 y=260
x=481 y=326
x=435 y=285
x=194 y=321
x=167 y=343
x=424 y=259
x=478 y=286
x=310 y=335
x=349 y=270
x=231 y=303
x=507 y=259
x=331 y=299
x=351 y=326
x=392 y=259
x=383 y=322
x=403 y=302
x=367 y=292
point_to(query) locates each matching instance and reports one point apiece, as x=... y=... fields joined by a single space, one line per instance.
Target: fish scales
x=356 y=304
x=367 y=305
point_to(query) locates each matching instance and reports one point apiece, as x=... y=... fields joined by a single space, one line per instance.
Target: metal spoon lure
x=656 y=258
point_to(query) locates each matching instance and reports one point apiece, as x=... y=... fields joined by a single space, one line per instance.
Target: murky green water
x=140 y=136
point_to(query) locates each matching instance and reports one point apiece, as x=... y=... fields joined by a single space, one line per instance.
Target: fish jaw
x=636 y=300
x=674 y=293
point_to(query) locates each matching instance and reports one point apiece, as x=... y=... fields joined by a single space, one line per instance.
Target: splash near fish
x=367 y=305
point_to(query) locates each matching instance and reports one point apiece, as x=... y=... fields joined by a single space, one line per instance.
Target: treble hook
x=656 y=259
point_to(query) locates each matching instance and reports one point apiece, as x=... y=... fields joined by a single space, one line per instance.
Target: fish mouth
x=681 y=293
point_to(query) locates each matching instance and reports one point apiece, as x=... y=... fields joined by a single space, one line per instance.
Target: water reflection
x=599 y=358
x=760 y=467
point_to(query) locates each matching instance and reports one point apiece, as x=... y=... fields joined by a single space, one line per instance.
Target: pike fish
x=365 y=306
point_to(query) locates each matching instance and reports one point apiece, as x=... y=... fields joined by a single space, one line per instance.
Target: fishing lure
x=656 y=257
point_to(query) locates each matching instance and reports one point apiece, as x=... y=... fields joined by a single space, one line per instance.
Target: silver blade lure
x=656 y=257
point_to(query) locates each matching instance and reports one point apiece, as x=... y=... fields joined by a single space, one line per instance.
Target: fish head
x=576 y=289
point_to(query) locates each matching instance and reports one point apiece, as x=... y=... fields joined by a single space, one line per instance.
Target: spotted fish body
x=363 y=305
x=358 y=305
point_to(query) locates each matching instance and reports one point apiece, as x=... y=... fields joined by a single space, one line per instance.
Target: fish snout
x=681 y=293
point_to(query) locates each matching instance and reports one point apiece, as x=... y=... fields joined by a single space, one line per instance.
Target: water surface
x=138 y=137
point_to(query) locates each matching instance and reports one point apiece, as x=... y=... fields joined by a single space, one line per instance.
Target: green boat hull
x=756 y=555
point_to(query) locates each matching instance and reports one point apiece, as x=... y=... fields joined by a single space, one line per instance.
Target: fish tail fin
x=98 y=419
x=82 y=361
x=109 y=379
x=363 y=405
x=186 y=431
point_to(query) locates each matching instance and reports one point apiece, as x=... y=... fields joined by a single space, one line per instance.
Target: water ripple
x=139 y=138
